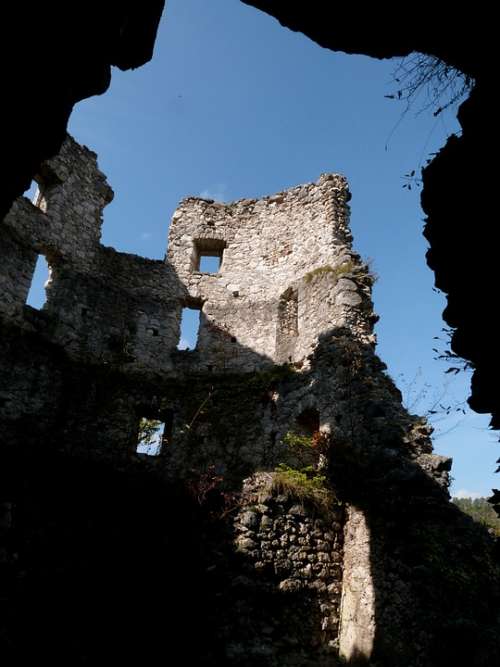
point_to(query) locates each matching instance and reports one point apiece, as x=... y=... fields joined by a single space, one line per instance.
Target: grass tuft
x=305 y=485
x=346 y=267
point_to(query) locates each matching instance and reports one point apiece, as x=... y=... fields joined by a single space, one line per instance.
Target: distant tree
x=481 y=511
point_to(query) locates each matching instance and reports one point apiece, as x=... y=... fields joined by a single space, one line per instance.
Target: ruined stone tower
x=285 y=355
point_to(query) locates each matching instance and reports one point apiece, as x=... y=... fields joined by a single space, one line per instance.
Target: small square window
x=208 y=255
x=209 y=264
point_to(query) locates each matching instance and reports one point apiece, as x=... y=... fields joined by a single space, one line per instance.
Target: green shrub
x=306 y=485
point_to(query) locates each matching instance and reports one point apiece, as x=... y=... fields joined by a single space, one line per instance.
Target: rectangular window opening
x=154 y=432
x=208 y=255
x=150 y=436
x=190 y=328
x=37 y=294
x=210 y=264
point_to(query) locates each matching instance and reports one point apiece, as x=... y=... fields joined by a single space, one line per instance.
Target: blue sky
x=233 y=106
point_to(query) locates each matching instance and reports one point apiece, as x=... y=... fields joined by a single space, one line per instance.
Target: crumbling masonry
x=285 y=347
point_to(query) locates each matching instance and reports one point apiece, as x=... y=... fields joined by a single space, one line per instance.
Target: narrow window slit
x=190 y=327
x=288 y=325
x=37 y=294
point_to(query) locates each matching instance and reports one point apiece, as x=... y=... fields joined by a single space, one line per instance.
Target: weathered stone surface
x=463 y=241
x=289 y=359
x=302 y=574
x=357 y=631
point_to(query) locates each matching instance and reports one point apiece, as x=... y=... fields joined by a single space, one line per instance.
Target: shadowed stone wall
x=285 y=351
x=464 y=263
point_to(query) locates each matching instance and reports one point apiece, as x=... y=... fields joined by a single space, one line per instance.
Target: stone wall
x=464 y=263
x=268 y=246
x=285 y=355
x=292 y=555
